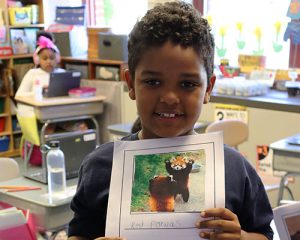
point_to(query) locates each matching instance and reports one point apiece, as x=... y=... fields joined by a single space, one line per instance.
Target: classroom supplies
x=13 y=224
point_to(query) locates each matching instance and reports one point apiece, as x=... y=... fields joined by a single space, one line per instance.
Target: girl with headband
x=45 y=58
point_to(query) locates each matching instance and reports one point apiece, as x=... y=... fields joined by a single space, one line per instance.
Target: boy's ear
x=130 y=84
x=209 y=89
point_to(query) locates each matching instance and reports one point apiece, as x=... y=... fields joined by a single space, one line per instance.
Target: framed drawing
x=287 y=219
x=160 y=186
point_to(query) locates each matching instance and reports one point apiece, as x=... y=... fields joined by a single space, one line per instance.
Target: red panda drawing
x=180 y=167
x=162 y=190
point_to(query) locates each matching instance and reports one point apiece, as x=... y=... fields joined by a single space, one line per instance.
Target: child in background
x=46 y=57
x=171 y=52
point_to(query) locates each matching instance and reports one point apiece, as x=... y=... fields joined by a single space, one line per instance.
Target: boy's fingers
x=219 y=236
x=222 y=213
x=223 y=225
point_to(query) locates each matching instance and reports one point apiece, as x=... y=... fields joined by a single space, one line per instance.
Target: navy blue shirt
x=244 y=193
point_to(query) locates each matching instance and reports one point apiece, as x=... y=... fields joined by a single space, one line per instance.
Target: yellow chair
x=236 y=132
x=9 y=169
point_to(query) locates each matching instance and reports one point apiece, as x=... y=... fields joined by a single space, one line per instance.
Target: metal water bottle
x=56 y=169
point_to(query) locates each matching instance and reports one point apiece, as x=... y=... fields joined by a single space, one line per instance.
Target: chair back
x=234 y=131
x=9 y=168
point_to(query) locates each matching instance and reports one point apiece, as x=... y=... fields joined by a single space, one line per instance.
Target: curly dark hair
x=178 y=22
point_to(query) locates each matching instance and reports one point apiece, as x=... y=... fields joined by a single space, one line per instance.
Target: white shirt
x=27 y=85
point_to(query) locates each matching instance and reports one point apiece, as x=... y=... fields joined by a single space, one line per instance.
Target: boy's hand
x=225 y=226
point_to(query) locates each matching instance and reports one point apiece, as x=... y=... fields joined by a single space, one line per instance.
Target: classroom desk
x=286 y=157
x=48 y=215
x=61 y=107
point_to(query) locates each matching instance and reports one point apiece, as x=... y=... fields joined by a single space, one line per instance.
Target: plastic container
x=4 y=143
x=56 y=170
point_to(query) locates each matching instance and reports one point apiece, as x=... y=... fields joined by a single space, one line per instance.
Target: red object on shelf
x=6 y=51
x=2 y=124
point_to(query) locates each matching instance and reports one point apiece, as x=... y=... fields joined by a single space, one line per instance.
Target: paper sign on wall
x=224 y=111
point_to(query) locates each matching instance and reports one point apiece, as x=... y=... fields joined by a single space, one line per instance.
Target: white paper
x=287 y=220
x=11 y=217
x=136 y=162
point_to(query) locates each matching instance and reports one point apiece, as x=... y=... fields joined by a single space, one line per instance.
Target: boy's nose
x=170 y=98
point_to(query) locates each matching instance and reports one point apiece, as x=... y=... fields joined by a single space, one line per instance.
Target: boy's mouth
x=169 y=115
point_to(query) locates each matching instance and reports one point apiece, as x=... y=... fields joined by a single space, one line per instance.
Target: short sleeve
x=246 y=195
x=90 y=201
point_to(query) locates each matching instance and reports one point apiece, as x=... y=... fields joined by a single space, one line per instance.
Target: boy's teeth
x=167 y=114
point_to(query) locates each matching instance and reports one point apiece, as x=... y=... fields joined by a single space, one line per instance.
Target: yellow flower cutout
x=277 y=26
x=222 y=31
x=258 y=33
x=209 y=19
x=240 y=26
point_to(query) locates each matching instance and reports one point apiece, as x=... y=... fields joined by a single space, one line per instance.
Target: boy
x=170 y=76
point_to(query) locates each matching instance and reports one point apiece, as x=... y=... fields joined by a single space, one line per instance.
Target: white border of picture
x=173 y=225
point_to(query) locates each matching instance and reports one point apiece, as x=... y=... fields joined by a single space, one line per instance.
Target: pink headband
x=43 y=43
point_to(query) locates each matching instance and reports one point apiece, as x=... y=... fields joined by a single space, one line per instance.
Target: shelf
x=17 y=132
x=13 y=153
x=17 y=56
x=41 y=25
x=5 y=133
x=92 y=64
x=12 y=64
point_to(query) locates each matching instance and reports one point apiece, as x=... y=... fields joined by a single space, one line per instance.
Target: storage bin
x=113 y=47
x=67 y=41
x=2 y=124
x=15 y=124
x=19 y=15
x=4 y=143
x=93 y=40
x=107 y=73
x=1 y=105
x=83 y=68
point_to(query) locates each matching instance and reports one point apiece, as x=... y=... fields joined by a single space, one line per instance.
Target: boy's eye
x=152 y=82
x=189 y=85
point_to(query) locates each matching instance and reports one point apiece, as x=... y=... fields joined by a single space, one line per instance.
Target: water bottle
x=56 y=169
x=38 y=89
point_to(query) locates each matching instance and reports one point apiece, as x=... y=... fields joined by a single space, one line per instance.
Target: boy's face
x=47 y=60
x=170 y=87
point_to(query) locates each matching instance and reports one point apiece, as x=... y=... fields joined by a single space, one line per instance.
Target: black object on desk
x=294 y=140
x=75 y=146
x=286 y=157
x=61 y=82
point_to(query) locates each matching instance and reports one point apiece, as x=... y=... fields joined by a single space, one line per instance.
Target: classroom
x=110 y=130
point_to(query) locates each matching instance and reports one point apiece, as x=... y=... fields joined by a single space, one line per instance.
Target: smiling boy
x=171 y=76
